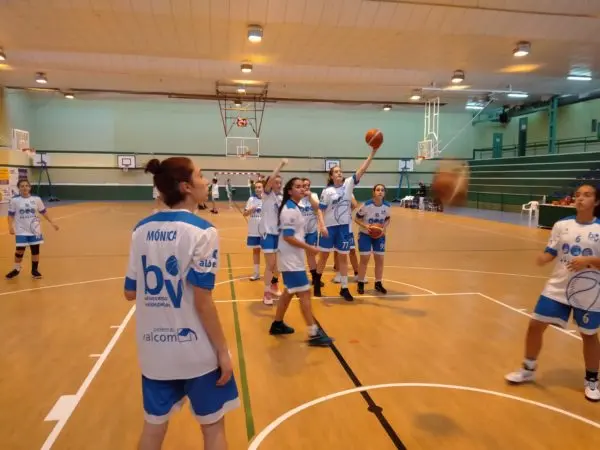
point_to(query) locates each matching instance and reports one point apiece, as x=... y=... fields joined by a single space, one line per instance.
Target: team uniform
x=269 y=223
x=311 y=234
x=24 y=211
x=215 y=191
x=568 y=240
x=291 y=259
x=337 y=210
x=371 y=214
x=229 y=190
x=171 y=252
x=253 y=239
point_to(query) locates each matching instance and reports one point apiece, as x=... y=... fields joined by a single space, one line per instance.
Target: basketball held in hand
x=375 y=231
x=450 y=184
x=374 y=138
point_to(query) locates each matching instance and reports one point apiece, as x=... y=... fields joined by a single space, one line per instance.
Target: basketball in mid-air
x=450 y=183
x=374 y=138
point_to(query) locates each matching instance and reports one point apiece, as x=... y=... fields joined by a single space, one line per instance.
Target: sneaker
x=320 y=340
x=337 y=278
x=13 y=273
x=344 y=292
x=592 y=393
x=361 y=288
x=255 y=277
x=36 y=275
x=275 y=289
x=379 y=287
x=268 y=299
x=278 y=328
x=521 y=376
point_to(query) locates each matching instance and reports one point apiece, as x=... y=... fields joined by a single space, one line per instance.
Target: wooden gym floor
x=435 y=350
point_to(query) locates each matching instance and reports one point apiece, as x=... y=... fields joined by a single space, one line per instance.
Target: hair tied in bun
x=153 y=166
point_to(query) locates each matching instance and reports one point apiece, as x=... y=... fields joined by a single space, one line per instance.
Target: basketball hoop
x=30 y=152
x=419 y=160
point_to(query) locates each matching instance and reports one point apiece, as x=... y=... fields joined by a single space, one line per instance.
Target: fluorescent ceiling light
x=579 y=78
x=518 y=95
x=475 y=107
x=246 y=67
x=387 y=107
x=255 y=33
x=458 y=76
x=69 y=96
x=40 y=78
x=522 y=49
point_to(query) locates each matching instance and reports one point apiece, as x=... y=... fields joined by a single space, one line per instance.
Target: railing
x=500 y=200
x=563 y=146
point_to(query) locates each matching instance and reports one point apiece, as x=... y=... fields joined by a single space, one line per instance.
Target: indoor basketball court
x=421 y=367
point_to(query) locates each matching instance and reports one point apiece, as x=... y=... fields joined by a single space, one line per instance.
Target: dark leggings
x=35 y=250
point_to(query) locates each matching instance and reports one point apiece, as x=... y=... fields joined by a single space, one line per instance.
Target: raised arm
x=365 y=165
x=274 y=175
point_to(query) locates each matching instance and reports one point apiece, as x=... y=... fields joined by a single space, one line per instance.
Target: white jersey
x=310 y=218
x=215 y=190
x=228 y=189
x=24 y=212
x=568 y=240
x=290 y=258
x=254 y=219
x=270 y=212
x=371 y=214
x=336 y=203
x=171 y=252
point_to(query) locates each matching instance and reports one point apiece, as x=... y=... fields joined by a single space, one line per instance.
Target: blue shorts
x=253 y=241
x=367 y=244
x=340 y=238
x=551 y=311
x=295 y=281
x=311 y=238
x=269 y=243
x=25 y=241
x=352 y=242
x=209 y=402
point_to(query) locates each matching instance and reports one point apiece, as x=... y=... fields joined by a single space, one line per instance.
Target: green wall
x=573 y=122
x=20 y=112
x=195 y=127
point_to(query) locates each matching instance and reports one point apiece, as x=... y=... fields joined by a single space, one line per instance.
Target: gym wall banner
x=9 y=178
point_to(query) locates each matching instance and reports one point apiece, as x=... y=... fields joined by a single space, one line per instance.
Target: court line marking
x=76 y=398
x=260 y=437
x=570 y=333
x=523 y=238
x=337 y=297
x=54 y=286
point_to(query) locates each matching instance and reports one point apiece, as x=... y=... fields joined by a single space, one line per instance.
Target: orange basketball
x=374 y=138
x=450 y=183
x=375 y=231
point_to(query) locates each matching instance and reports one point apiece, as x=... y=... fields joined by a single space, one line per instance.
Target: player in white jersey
x=24 y=223
x=313 y=222
x=253 y=212
x=372 y=213
x=229 y=189
x=269 y=227
x=336 y=205
x=182 y=349
x=573 y=287
x=351 y=253
x=214 y=195
x=292 y=249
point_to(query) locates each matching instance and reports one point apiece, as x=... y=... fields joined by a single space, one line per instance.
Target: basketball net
x=30 y=152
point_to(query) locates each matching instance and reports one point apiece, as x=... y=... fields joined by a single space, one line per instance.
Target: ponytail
x=286 y=196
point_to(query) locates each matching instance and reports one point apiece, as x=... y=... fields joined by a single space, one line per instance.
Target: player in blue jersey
x=573 y=288
x=24 y=224
x=182 y=350
x=292 y=249
x=373 y=213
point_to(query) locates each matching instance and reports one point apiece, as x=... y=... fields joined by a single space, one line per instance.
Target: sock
x=355 y=273
x=317 y=276
x=529 y=364
x=344 y=281
x=313 y=330
x=256 y=269
x=18 y=267
x=378 y=281
x=590 y=375
x=274 y=280
x=313 y=273
x=34 y=266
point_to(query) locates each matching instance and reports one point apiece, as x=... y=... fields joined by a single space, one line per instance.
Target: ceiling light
x=241 y=90
x=2 y=54
x=579 y=78
x=40 y=78
x=416 y=95
x=474 y=106
x=255 y=33
x=246 y=67
x=458 y=76
x=518 y=94
x=522 y=49
x=69 y=96
x=387 y=107
x=237 y=103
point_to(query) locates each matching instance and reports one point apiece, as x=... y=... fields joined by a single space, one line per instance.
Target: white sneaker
x=521 y=376
x=337 y=279
x=255 y=277
x=268 y=299
x=592 y=393
x=274 y=289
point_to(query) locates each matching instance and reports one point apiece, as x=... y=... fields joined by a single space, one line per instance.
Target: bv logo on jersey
x=576 y=250
x=153 y=290
x=566 y=248
x=170 y=335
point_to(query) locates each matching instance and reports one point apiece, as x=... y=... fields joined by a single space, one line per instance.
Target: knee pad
x=35 y=249
x=19 y=253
